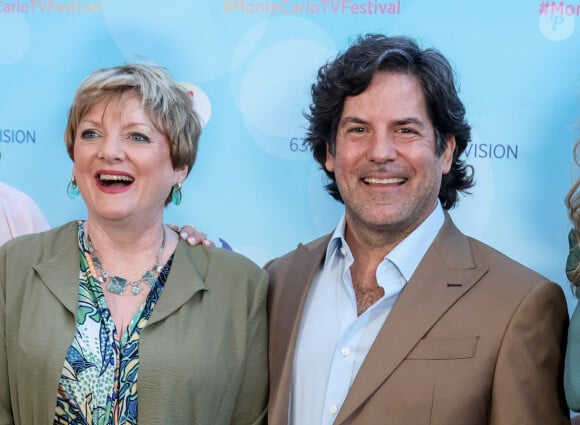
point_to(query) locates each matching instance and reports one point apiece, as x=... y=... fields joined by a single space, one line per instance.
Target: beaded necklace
x=117 y=284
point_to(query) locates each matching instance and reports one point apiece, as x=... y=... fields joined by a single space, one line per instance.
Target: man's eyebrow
x=399 y=122
x=351 y=120
x=410 y=120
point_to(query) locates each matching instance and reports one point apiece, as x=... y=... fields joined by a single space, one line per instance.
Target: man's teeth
x=394 y=180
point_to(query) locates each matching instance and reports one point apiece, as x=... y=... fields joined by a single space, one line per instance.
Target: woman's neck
x=128 y=250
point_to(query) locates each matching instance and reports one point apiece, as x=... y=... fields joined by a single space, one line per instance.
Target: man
x=397 y=317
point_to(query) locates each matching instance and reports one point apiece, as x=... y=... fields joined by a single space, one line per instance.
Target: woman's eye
x=138 y=137
x=89 y=134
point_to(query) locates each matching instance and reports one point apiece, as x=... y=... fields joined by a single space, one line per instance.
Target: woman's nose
x=111 y=149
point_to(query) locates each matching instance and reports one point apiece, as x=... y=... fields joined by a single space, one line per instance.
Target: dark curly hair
x=351 y=72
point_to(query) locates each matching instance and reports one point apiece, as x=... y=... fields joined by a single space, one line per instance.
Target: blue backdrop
x=250 y=65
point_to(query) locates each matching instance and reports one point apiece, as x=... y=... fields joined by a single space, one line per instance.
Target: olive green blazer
x=202 y=354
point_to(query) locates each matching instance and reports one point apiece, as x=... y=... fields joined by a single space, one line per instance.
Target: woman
x=572 y=366
x=112 y=320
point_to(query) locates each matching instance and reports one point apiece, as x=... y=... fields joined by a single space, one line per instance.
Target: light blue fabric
x=572 y=365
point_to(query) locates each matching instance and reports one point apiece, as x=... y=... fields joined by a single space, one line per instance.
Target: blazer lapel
x=445 y=274
x=185 y=279
x=285 y=323
x=59 y=273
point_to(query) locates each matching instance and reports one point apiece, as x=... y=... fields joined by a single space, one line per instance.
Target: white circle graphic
x=201 y=102
x=13 y=27
x=557 y=26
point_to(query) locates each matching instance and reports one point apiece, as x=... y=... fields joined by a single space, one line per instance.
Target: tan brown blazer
x=475 y=338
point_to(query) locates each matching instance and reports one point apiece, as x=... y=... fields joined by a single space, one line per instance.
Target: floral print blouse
x=98 y=384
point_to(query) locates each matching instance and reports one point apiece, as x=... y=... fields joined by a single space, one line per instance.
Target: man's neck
x=371 y=245
x=369 y=248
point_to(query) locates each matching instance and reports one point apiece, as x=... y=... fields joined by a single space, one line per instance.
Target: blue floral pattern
x=98 y=384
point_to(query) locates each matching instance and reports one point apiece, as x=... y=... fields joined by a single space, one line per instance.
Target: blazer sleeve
x=252 y=400
x=528 y=379
x=572 y=368
x=5 y=404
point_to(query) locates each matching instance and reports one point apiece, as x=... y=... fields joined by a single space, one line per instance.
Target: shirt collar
x=407 y=254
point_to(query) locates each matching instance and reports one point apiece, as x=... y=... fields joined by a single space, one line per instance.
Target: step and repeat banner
x=250 y=64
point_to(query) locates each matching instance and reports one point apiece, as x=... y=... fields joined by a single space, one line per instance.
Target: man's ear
x=447 y=155
x=329 y=162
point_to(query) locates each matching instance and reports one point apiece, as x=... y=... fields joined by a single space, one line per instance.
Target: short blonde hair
x=168 y=104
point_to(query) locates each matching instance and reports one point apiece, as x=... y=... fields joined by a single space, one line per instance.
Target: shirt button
x=343 y=250
x=333 y=409
x=345 y=351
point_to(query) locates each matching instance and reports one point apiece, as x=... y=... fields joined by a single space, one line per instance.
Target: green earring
x=176 y=193
x=72 y=190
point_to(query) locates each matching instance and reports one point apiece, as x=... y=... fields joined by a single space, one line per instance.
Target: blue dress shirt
x=333 y=340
